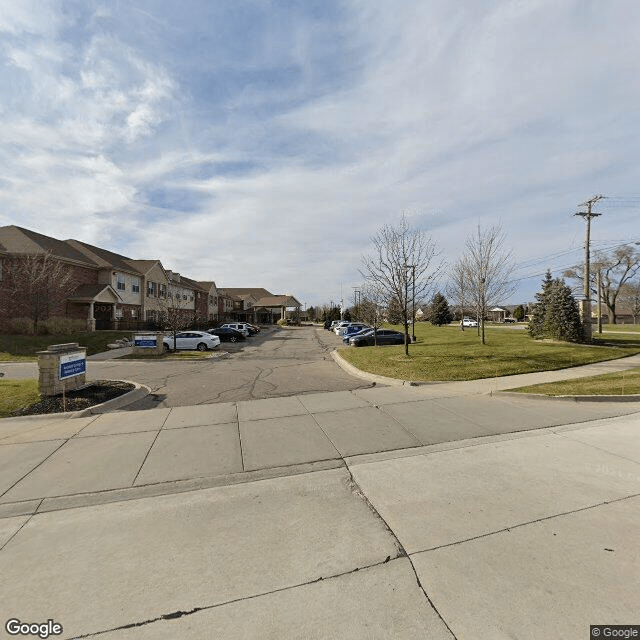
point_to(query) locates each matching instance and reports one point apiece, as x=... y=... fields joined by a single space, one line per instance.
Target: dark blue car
x=350 y=332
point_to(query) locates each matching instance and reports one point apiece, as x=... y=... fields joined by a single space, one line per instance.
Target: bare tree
x=401 y=266
x=175 y=313
x=616 y=268
x=630 y=296
x=39 y=283
x=458 y=287
x=488 y=272
x=372 y=302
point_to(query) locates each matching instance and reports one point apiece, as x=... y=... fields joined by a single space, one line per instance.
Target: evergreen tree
x=556 y=313
x=519 y=313
x=439 y=312
x=395 y=311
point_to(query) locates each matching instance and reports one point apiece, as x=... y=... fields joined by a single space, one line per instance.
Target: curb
x=373 y=377
x=140 y=391
x=542 y=396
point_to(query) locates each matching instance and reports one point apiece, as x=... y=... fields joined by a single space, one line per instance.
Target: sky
x=262 y=143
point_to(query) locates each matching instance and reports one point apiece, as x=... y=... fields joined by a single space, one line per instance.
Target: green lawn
x=618 y=327
x=608 y=384
x=15 y=394
x=24 y=348
x=446 y=353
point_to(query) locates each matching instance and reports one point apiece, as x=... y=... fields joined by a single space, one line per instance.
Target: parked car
x=348 y=336
x=190 y=340
x=242 y=327
x=327 y=324
x=469 y=322
x=227 y=334
x=333 y=324
x=354 y=327
x=253 y=328
x=340 y=327
x=510 y=320
x=384 y=336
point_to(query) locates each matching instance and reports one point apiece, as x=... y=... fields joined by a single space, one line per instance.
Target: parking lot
x=276 y=362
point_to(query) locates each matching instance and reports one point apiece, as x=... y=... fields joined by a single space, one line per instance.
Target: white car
x=469 y=322
x=191 y=340
x=242 y=327
x=340 y=327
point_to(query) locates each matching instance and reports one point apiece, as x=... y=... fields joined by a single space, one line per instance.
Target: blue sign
x=145 y=341
x=75 y=364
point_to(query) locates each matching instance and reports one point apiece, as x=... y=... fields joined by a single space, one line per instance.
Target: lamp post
x=413 y=300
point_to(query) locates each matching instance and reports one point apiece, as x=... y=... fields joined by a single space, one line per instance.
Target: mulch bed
x=97 y=392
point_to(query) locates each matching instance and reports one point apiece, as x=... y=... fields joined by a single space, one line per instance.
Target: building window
x=119 y=313
x=151 y=315
x=120 y=281
x=163 y=290
x=134 y=314
x=152 y=290
x=135 y=285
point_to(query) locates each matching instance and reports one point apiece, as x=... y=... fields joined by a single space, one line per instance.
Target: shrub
x=21 y=326
x=282 y=322
x=61 y=325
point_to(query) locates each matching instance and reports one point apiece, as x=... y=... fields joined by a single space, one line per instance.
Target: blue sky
x=262 y=143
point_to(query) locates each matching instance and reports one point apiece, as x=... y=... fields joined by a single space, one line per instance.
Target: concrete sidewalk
x=49 y=462
x=522 y=535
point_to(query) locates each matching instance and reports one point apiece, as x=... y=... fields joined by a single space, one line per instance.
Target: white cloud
x=458 y=112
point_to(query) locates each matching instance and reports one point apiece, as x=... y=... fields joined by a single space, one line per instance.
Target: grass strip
x=15 y=394
x=607 y=384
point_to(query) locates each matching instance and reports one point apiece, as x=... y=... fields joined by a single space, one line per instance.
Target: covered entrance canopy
x=98 y=301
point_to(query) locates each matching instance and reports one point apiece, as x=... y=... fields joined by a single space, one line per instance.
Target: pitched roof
x=256 y=292
x=86 y=292
x=144 y=266
x=192 y=283
x=23 y=241
x=103 y=257
x=277 y=301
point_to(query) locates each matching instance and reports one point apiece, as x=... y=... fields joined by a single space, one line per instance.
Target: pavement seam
x=402 y=426
x=239 y=437
x=242 y=479
x=526 y=524
x=34 y=468
x=22 y=525
x=147 y=455
x=181 y=614
x=593 y=446
x=402 y=553
x=329 y=439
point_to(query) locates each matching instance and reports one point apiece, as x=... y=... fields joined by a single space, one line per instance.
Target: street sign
x=145 y=341
x=73 y=364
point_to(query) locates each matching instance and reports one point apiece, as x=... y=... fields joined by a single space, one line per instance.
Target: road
x=278 y=362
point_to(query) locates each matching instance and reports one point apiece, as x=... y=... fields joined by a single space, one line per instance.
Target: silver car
x=191 y=340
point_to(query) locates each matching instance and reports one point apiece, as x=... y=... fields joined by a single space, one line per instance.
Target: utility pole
x=599 y=300
x=586 y=303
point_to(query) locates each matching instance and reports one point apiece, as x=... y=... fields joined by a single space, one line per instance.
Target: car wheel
x=233 y=339
x=201 y=346
x=165 y=346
